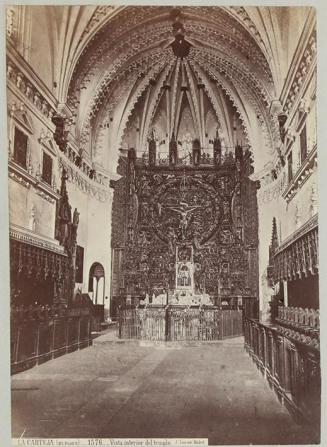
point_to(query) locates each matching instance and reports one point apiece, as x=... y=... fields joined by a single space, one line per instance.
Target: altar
x=188 y=236
x=178 y=298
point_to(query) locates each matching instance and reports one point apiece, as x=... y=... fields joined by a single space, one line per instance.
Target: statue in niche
x=65 y=219
x=130 y=234
x=239 y=233
x=76 y=218
x=64 y=216
x=31 y=222
x=184 y=278
x=184 y=253
x=73 y=229
x=196 y=241
x=171 y=240
x=222 y=184
x=144 y=210
x=226 y=209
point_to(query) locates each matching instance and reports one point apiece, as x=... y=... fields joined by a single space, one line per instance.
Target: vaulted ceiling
x=191 y=70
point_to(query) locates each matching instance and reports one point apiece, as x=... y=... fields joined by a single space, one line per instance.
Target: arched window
x=96 y=283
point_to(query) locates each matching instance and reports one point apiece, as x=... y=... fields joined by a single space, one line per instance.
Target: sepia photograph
x=163 y=224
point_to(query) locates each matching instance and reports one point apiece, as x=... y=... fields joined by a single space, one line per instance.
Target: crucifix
x=184 y=211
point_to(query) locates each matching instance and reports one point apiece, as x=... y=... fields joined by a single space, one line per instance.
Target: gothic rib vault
x=128 y=79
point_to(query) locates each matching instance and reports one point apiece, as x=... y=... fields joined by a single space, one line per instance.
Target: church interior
x=163 y=189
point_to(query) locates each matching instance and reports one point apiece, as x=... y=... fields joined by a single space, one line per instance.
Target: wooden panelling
x=291 y=366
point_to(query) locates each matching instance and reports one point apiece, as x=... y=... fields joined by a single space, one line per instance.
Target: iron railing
x=176 y=323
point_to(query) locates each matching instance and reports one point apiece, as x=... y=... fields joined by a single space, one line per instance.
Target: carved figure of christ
x=184 y=211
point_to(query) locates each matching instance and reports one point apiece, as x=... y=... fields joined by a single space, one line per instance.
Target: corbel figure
x=60 y=135
x=282 y=117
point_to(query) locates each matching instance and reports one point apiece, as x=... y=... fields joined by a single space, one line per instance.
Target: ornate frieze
x=46 y=197
x=19 y=179
x=84 y=183
x=16 y=77
x=298 y=255
x=307 y=61
x=302 y=175
x=11 y=22
x=29 y=237
x=272 y=190
x=28 y=178
x=250 y=25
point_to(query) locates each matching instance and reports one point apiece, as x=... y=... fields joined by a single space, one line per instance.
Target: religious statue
x=76 y=218
x=65 y=214
x=184 y=212
x=171 y=240
x=184 y=279
x=32 y=218
x=130 y=234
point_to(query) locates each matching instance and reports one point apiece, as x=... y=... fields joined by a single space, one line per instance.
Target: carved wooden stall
x=45 y=320
x=186 y=226
x=288 y=355
x=287 y=350
x=40 y=333
x=295 y=264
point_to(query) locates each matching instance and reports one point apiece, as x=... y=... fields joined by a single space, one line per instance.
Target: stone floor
x=143 y=390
